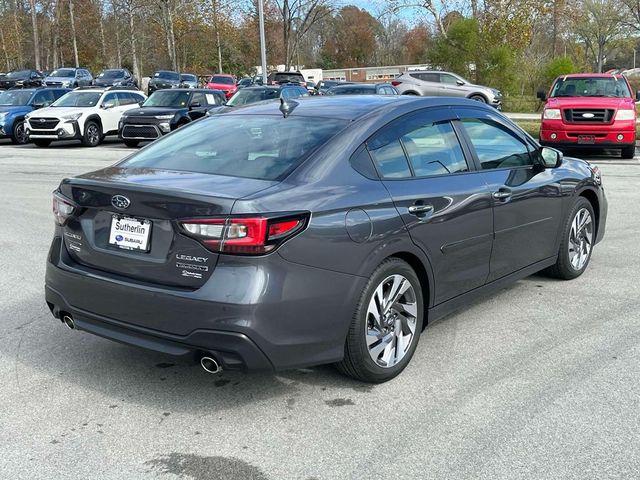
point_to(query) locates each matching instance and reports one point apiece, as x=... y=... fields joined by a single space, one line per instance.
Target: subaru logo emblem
x=120 y=202
x=42 y=120
x=588 y=115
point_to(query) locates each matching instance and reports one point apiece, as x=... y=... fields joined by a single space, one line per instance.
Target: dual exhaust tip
x=208 y=364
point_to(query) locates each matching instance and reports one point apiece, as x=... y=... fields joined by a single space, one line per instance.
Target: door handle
x=420 y=210
x=502 y=194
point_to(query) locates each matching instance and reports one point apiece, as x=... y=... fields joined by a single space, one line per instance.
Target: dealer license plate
x=130 y=233
x=586 y=139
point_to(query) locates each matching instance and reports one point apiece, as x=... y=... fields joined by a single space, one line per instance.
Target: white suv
x=87 y=114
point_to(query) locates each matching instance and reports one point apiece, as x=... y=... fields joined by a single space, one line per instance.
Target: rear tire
x=18 y=136
x=578 y=236
x=386 y=327
x=92 y=134
x=628 y=152
x=39 y=142
x=131 y=143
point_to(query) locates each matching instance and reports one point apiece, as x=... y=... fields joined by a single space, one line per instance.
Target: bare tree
x=73 y=34
x=36 y=39
x=166 y=9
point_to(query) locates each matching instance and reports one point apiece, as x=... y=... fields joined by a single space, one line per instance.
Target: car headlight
x=71 y=117
x=164 y=117
x=626 y=115
x=552 y=114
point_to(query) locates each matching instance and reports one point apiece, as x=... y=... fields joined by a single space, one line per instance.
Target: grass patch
x=532 y=127
x=521 y=104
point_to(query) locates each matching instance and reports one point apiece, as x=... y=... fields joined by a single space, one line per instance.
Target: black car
x=277 y=78
x=166 y=110
x=120 y=77
x=324 y=85
x=325 y=230
x=164 y=79
x=363 y=89
x=255 y=94
x=22 y=79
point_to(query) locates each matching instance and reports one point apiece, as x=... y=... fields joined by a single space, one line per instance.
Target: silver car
x=69 y=78
x=445 y=84
x=189 y=80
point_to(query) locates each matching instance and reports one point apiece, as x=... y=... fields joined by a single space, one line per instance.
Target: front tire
x=19 y=136
x=579 y=234
x=386 y=325
x=92 y=134
x=478 y=98
x=628 y=152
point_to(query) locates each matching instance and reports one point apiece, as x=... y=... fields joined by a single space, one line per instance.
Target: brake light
x=243 y=235
x=63 y=209
x=395 y=83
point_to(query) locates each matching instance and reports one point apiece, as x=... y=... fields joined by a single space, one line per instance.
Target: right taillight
x=63 y=209
x=244 y=235
x=395 y=83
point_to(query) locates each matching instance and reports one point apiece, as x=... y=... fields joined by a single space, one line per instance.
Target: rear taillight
x=63 y=209
x=395 y=83
x=244 y=235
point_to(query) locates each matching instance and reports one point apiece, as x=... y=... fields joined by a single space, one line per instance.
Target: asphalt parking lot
x=539 y=381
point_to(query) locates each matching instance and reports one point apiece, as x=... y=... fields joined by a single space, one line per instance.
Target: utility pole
x=263 y=47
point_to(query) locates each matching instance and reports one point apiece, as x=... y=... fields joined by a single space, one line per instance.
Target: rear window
x=251 y=146
x=247 y=96
x=288 y=77
x=355 y=90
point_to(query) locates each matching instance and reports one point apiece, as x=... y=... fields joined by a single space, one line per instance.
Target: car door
x=527 y=199
x=449 y=86
x=429 y=84
x=444 y=203
x=111 y=112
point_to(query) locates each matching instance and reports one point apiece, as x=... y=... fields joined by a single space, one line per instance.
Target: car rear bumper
x=253 y=313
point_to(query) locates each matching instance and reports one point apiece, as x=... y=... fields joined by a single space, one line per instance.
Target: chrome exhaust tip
x=210 y=365
x=68 y=321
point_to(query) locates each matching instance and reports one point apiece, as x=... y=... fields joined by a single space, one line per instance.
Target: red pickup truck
x=590 y=110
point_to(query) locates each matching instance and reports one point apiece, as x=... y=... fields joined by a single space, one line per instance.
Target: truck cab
x=589 y=110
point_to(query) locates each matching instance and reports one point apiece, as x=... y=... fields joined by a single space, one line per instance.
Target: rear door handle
x=502 y=194
x=420 y=209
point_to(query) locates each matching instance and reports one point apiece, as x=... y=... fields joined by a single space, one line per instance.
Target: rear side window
x=495 y=147
x=434 y=150
x=266 y=147
x=199 y=98
x=426 y=77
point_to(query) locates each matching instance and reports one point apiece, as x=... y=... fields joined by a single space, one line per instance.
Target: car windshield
x=78 y=99
x=167 y=75
x=244 y=81
x=222 y=79
x=111 y=74
x=14 y=97
x=63 y=72
x=18 y=74
x=246 y=96
x=188 y=78
x=355 y=90
x=289 y=77
x=167 y=98
x=265 y=147
x=590 y=87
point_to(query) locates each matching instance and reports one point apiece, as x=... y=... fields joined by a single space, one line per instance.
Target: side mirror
x=140 y=103
x=551 y=158
x=459 y=83
x=36 y=106
x=195 y=105
x=108 y=105
x=638 y=96
x=541 y=95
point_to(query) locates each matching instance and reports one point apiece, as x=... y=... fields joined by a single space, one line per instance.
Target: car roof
x=591 y=75
x=221 y=75
x=351 y=107
x=166 y=71
x=193 y=90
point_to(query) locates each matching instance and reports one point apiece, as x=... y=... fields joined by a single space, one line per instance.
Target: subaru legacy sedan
x=315 y=231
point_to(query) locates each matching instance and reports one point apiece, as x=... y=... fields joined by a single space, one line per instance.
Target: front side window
x=264 y=147
x=494 y=146
x=44 y=98
x=434 y=150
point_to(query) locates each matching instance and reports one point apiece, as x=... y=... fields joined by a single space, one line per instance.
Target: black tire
x=411 y=93
x=628 y=152
x=40 y=142
x=478 y=98
x=131 y=143
x=563 y=268
x=357 y=361
x=18 y=135
x=92 y=134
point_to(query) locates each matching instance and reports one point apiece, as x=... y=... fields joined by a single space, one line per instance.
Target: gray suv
x=445 y=84
x=69 y=78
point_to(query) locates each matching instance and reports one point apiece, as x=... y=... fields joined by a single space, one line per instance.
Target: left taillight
x=244 y=235
x=63 y=208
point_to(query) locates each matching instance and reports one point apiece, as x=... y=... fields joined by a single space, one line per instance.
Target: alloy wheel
x=391 y=321
x=93 y=135
x=20 y=134
x=580 y=239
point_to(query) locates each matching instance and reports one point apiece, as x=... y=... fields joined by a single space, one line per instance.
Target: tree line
x=515 y=45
